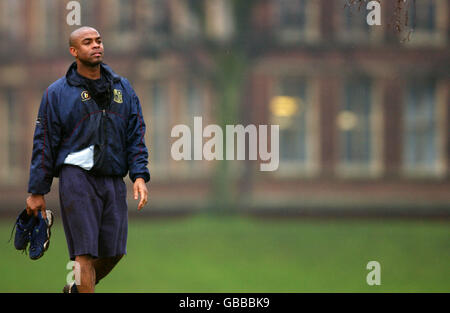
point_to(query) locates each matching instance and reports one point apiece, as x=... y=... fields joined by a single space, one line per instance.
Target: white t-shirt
x=83 y=158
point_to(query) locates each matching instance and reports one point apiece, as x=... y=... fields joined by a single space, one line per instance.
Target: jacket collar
x=74 y=79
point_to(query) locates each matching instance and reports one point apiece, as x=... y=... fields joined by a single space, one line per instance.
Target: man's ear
x=73 y=51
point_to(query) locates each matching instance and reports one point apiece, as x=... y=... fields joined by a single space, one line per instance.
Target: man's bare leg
x=87 y=273
x=104 y=265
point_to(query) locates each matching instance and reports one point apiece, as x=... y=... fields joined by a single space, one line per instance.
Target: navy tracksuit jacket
x=69 y=120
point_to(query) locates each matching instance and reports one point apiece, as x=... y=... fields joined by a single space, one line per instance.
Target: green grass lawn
x=232 y=254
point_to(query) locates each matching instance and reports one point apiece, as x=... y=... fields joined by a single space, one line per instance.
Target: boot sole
x=49 y=233
x=47 y=242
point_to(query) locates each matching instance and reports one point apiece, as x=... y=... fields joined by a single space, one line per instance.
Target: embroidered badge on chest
x=118 y=96
x=85 y=96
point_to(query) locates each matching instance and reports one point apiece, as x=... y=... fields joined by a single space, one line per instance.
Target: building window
x=11 y=26
x=121 y=20
x=428 y=21
x=355 y=20
x=291 y=108
x=157 y=125
x=194 y=106
x=10 y=156
x=154 y=16
x=126 y=18
x=358 y=129
x=423 y=15
x=292 y=14
x=89 y=14
x=353 y=26
x=296 y=20
x=47 y=26
x=421 y=132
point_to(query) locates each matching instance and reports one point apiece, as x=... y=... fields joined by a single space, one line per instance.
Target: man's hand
x=140 y=188
x=36 y=203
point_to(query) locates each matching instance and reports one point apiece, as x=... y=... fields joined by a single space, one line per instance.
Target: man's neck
x=90 y=72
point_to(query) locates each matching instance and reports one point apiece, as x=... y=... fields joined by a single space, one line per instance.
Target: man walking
x=90 y=133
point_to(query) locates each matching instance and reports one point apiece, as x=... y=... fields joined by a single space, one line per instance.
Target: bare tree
x=401 y=18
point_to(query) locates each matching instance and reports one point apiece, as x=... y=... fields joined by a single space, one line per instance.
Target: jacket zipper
x=104 y=128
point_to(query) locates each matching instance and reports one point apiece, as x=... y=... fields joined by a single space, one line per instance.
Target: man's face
x=88 y=48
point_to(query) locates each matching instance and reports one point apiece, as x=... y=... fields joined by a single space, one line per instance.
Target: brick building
x=364 y=117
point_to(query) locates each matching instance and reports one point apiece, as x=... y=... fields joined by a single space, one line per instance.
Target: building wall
x=336 y=55
x=329 y=52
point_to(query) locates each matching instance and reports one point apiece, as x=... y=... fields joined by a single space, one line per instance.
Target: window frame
x=374 y=168
x=437 y=37
x=311 y=166
x=440 y=167
x=193 y=169
x=40 y=26
x=350 y=36
x=11 y=175
x=160 y=170
x=311 y=31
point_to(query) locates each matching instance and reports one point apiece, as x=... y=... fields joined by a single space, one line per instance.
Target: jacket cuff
x=145 y=176
x=40 y=188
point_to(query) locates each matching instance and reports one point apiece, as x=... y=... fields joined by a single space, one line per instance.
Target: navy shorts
x=94 y=213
